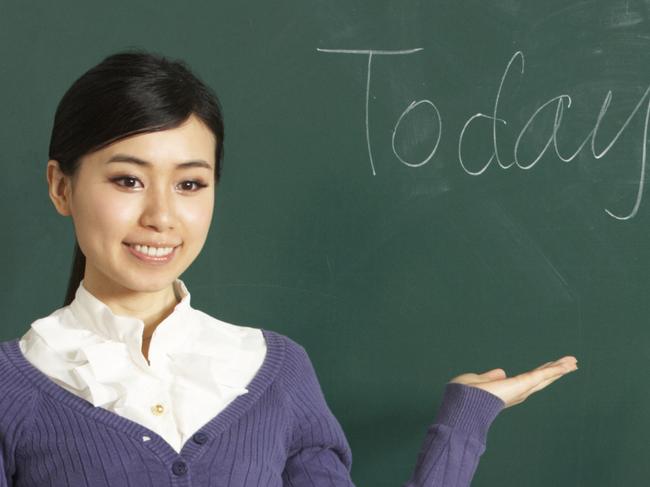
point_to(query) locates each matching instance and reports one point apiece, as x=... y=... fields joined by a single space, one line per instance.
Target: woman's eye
x=129 y=180
x=187 y=185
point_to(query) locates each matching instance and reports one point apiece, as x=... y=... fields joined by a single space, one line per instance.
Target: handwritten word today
x=558 y=103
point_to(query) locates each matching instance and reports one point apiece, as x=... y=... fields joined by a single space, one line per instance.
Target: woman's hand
x=513 y=390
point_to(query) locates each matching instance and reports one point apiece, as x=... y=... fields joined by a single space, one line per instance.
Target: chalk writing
x=559 y=102
x=370 y=53
x=399 y=120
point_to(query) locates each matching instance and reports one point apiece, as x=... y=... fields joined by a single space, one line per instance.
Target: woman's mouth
x=152 y=255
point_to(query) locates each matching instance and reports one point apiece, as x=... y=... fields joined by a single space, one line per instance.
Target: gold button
x=157 y=409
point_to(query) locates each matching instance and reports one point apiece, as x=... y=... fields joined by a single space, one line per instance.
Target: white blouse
x=198 y=364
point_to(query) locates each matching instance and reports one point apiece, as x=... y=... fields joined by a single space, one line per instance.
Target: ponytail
x=76 y=273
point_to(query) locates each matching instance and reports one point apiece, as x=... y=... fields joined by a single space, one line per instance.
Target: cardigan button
x=179 y=467
x=200 y=438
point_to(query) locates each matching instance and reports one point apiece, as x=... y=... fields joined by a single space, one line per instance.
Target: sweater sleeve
x=455 y=441
x=319 y=454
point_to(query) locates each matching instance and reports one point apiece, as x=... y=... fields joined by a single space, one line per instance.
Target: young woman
x=127 y=384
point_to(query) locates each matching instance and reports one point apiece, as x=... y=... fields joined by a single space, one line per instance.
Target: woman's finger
x=544 y=365
x=468 y=378
x=545 y=383
x=534 y=377
x=542 y=385
x=471 y=378
x=526 y=394
x=494 y=374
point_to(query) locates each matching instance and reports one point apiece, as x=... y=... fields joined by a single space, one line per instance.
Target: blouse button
x=200 y=438
x=157 y=409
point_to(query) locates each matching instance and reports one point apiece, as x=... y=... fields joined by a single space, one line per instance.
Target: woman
x=127 y=384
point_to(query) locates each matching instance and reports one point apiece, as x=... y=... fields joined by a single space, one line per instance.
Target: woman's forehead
x=189 y=145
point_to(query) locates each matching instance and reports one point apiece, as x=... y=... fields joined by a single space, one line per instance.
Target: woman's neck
x=152 y=307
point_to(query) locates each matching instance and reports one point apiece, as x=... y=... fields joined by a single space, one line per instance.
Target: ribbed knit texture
x=281 y=433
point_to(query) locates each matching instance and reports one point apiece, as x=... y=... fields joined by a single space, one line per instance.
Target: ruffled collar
x=197 y=363
x=97 y=317
x=90 y=350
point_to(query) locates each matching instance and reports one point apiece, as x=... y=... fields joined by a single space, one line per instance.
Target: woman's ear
x=59 y=187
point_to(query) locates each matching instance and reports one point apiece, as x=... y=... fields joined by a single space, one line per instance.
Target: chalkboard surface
x=411 y=190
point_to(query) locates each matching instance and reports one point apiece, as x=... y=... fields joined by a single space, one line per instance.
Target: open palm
x=514 y=390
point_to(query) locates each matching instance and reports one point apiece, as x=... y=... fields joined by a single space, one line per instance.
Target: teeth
x=153 y=251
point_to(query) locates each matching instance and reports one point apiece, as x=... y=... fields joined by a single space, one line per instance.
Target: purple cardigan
x=281 y=433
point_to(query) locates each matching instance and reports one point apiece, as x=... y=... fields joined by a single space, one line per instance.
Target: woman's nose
x=159 y=209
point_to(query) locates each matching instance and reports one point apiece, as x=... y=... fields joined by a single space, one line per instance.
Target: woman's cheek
x=111 y=216
x=198 y=213
x=115 y=211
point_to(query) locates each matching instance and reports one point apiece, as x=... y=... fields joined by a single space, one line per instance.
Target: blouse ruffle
x=198 y=364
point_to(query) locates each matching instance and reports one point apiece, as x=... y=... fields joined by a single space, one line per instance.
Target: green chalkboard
x=411 y=190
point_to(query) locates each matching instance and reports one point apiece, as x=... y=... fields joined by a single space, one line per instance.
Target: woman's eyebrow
x=142 y=162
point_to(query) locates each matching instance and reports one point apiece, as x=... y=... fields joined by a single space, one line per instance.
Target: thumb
x=494 y=374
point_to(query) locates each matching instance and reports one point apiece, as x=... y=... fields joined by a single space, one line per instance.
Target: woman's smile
x=152 y=255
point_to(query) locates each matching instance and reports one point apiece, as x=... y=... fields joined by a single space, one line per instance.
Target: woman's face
x=165 y=201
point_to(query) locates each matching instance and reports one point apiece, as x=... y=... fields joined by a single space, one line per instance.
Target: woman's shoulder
x=296 y=371
x=294 y=355
x=12 y=375
x=8 y=368
x=18 y=392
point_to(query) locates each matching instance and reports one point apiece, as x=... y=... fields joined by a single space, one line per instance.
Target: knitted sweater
x=281 y=433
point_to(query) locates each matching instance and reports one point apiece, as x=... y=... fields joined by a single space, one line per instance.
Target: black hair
x=129 y=92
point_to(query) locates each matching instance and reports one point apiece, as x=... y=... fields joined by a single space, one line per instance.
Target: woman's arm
x=319 y=454
x=455 y=441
